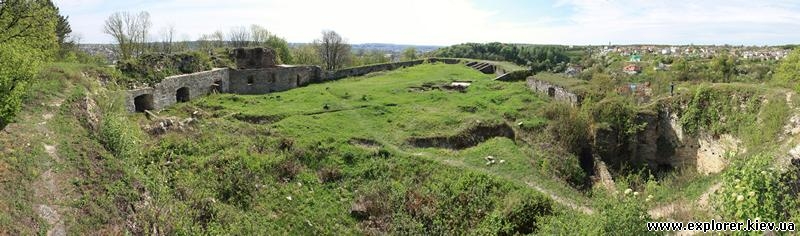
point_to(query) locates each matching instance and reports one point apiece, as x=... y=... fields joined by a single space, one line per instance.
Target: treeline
x=537 y=57
x=132 y=35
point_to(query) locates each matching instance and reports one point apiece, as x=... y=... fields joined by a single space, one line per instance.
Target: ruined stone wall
x=261 y=81
x=165 y=93
x=363 y=70
x=259 y=77
x=254 y=58
x=554 y=91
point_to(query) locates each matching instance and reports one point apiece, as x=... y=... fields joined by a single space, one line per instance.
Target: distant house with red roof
x=632 y=69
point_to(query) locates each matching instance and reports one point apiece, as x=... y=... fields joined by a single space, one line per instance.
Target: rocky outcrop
x=662 y=145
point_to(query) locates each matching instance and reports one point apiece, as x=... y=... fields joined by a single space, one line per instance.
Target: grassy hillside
x=397 y=152
x=309 y=155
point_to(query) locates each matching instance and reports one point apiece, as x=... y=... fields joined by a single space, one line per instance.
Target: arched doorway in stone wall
x=216 y=87
x=182 y=95
x=551 y=92
x=143 y=102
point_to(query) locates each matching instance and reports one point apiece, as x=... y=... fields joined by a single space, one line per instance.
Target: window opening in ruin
x=182 y=95
x=143 y=102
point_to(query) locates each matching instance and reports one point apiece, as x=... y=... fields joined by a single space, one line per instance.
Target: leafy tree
x=63 y=28
x=18 y=66
x=682 y=69
x=725 y=66
x=260 y=36
x=788 y=72
x=306 y=54
x=31 y=23
x=409 y=54
x=27 y=38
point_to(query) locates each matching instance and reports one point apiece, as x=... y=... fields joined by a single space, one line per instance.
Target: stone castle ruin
x=256 y=72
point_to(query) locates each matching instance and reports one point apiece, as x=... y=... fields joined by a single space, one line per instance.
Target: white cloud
x=444 y=22
x=683 y=21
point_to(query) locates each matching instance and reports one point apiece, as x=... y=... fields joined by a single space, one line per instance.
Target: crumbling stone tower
x=254 y=58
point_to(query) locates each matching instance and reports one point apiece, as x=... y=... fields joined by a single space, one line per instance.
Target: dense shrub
x=615 y=215
x=18 y=65
x=567 y=126
x=118 y=137
x=738 y=110
x=752 y=189
x=523 y=212
x=788 y=71
x=617 y=123
x=618 y=114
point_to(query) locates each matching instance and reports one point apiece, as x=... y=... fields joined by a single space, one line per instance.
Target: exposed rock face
x=254 y=58
x=663 y=145
x=87 y=108
x=711 y=153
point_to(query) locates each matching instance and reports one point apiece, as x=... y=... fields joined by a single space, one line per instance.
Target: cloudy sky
x=446 y=22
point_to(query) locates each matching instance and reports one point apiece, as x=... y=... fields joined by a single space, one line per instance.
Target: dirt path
x=48 y=189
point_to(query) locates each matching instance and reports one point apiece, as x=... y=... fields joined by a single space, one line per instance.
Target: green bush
x=522 y=212
x=18 y=66
x=734 y=109
x=567 y=126
x=618 y=114
x=615 y=215
x=752 y=189
x=772 y=117
x=617 y=122
x=570 y=129
x=118 y=137
x=788 y=71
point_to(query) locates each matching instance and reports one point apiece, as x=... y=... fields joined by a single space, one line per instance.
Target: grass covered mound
x=335 y=158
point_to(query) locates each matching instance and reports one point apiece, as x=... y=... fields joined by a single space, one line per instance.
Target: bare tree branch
x=332 y=49
x=129 y=31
